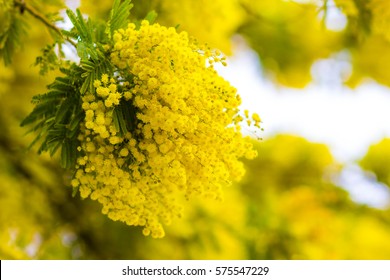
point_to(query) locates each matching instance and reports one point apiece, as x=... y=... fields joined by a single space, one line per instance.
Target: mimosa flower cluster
x=185 y=139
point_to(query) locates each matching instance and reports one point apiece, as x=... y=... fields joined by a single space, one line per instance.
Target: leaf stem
x=25 y=7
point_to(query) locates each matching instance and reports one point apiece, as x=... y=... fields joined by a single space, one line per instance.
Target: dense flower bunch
x=185 y=136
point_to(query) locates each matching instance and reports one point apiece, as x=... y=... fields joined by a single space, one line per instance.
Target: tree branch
x=25 y=7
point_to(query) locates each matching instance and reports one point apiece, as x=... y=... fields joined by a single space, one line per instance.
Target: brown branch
x=25 y=7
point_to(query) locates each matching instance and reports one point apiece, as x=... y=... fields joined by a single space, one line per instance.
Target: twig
x=25 y=7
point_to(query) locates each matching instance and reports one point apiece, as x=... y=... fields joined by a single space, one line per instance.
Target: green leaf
x=82 y=50
x=48 y=60
x=119 y=17
x=86 y=27
x=56 y=146
x=62 y=84
x=65 y=155
x=129 y=115
x=122 y=121
x=57 y=116
x=51 y=95
x=10 y=38
x=84 y=33
x=38 y=112
x=64 y=110
x=93 y=70
x=74 y=192
x=75 y=123
x=87 y=65
x=69 y=154
x=124 y=117
x=151 y=17
x=115 y=119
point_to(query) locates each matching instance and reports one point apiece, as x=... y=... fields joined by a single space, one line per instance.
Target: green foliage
x=151 y=17
x=57 y=116
x=274 y=31
x=125 y=111
x=48 y=61
x=377 y=161
x=13 y=28
x=83 y=30
x=362 y=21
x=119 y=16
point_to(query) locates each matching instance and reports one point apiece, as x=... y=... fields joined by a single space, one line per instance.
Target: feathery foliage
x=57 y=116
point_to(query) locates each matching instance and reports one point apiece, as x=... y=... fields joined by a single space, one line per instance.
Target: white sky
x=346 y=120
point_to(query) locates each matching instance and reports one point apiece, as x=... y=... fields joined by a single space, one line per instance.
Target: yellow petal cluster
x=185 y=138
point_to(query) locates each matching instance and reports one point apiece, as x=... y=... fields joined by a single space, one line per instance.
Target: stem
x=25 y=7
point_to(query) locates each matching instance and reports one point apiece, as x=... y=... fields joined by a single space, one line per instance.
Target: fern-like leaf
x=57 y=116
x=10 y=38
x=84 y=33
x=119 y=17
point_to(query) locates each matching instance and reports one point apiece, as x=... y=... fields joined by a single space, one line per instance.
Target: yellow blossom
x=180 y=142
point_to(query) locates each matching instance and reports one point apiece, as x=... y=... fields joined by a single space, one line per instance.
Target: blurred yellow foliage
x=380 y=10
x=288 y=37
x=298 y=211
x=96 y=11
x=366 y=64
x=348 y=7
x=366 y=37
x=377 y=160
x=211 y=230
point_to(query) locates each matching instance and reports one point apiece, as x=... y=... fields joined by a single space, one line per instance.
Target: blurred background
x=317 y=74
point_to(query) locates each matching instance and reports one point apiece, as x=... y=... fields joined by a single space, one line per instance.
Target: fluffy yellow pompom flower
x=182 y=138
